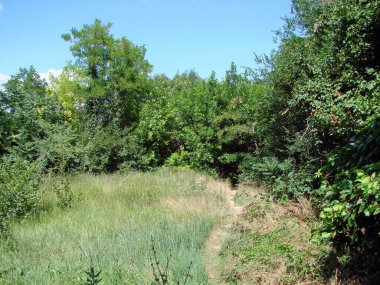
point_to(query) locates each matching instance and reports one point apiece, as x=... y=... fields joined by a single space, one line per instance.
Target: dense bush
x=350 y=193
x=59 y=151
x=19 y=193
x=284 y=180
x=101 y=149
x=321 y=111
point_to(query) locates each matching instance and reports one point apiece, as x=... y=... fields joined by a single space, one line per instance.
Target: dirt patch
x=220 y=233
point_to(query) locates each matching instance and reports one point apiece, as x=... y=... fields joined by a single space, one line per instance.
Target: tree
x=25 y=106
x=114 y=74
x=103 y=92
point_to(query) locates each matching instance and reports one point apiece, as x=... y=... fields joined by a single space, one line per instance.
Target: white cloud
x=3 y=78
x=44 y=75
x=52 y=71
x=1 y=6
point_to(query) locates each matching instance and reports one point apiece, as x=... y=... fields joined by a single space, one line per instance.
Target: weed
x=93 y=277
x=65 y=196
x=160 y=275
x=254 y=211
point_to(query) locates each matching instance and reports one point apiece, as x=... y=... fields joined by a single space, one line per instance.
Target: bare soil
x=220 y=233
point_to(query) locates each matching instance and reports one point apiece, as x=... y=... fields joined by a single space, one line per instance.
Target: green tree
x=113 y=72
x=26 y=106
x=33 y=122
x=102 y=92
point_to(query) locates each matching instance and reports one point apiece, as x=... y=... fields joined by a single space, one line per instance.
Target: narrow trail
x=220 y=233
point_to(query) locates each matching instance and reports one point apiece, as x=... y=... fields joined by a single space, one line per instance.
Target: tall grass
x=111 y=229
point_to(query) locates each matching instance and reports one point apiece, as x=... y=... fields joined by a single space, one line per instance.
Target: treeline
x=305 y=124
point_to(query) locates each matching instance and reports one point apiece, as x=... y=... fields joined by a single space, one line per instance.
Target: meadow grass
x=110 y=229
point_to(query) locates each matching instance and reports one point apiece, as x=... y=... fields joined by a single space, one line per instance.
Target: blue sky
x=179 y=35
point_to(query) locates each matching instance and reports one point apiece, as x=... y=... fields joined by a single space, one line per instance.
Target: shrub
x=19 y=193
x=102 y=148
x=58 y=150
x=282 y=177
x=66 y=198
x=350 y=192
x=351 y=208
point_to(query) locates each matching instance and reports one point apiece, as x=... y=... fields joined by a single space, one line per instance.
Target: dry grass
x=272 y=242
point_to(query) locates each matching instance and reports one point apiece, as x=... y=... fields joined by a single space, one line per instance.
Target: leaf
x=326 y=235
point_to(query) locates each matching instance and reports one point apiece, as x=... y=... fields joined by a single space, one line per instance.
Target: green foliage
x=113 y=75
x=324 y=81
x=34 y=126
x=285 y=181
x=102 y=93
x=27 y=108
x=199 y=124
x=350 y=212
x=19 y=195
x=93 y=277
x=135 y=156
x=64 y=194
x=102 y=149
x=352 y=217
x=322 y=90
x=59 y=151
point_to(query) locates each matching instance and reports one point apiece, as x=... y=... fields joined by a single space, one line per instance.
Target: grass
x=270 y=244
x=110 y=229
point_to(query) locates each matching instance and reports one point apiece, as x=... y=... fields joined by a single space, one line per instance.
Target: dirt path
x=220 y=233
